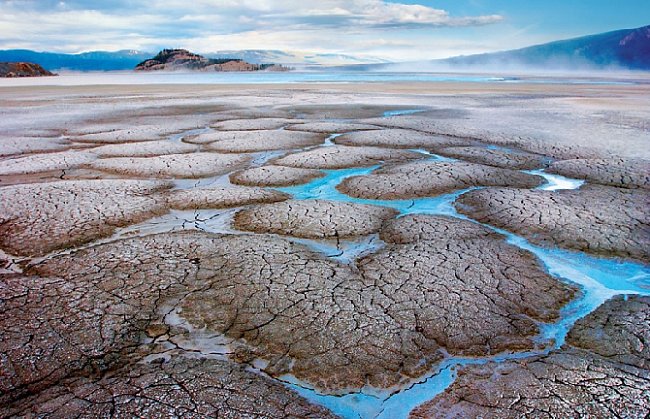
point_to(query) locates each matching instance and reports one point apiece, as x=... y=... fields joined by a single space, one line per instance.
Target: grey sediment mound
x=253 y=124
x=625 y=173
x=179 y=387
x=37 y=163
x=596 y=219
x=274 y=176
x=602 y=371
x=144 y=149
x=255 y=141
x=429 y=178
x=313 y=218
x=10 y=146
x=399 y=138
x=434 y=266
x=124 y=135
x=193 y=165
x=223 y=197
x=331 y=127
x=40 y=217
x=340 y=157
x=509 y=159
x=332 y=325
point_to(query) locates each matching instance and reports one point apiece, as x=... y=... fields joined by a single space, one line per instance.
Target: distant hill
x=626 y=48
x=182 y=59
x=86 y=61
x=128 y=59
x=22 y=69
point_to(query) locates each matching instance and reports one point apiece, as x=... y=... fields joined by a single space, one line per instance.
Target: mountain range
x=621 y=49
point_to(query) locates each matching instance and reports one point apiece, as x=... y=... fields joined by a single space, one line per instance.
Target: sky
x=397 y=30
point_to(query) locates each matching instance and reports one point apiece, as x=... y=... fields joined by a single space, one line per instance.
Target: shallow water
x=599 y=278
x=267 y=77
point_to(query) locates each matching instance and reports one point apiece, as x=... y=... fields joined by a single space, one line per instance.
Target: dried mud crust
x=332 y=325
x=509 y=159
x=37 y=163
x=595 y=219
x=625 y=173
x=618 y=330
x=313 y=218
x=606 y=375
x=398 y=138
x=194 y=165
x=40 y=217
x=180 y=387
x=331 y=127
x=51 y=327
x=340 y=157
x=144 y=149
x=429 y=178
x=222 y=197
x=272 y=175
x=499 y=292
x=255 y=141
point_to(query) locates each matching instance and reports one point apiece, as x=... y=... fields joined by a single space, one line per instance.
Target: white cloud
x=208 y=25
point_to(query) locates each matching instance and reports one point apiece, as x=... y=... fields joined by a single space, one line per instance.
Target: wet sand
x=301 y=250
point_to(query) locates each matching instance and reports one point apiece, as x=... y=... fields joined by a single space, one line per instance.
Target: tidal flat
x=355 y=250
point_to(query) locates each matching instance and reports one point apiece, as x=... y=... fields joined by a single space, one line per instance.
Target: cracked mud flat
x=272 y=175
x=193 y=165
x=602 y=371
x=594 y=219
x=339 y=157
x=430 y=178
x=314 y=219
x=499 y=157
x=398 y=138
x=254 y=141
x=134 y=296
x=624 y=173
x=41 y=217
x=222 y=197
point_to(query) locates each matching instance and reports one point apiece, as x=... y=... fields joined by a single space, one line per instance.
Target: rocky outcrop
x=181 y=59
x=23 y=70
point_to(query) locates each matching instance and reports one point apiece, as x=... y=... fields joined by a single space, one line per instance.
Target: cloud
x=209 y=25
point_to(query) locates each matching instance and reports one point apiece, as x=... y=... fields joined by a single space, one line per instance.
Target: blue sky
x=393 y=29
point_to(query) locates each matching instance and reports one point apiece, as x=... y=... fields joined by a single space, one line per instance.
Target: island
x=21 y=69
x=182 y=59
